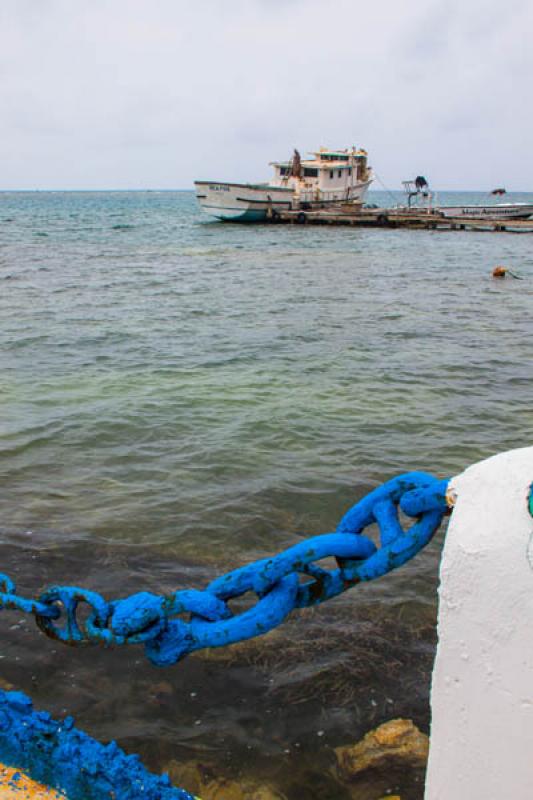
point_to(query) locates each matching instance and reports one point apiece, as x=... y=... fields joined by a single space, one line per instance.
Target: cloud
x=122 y=93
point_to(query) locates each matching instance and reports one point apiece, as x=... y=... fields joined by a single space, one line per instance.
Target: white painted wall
x=482 y=688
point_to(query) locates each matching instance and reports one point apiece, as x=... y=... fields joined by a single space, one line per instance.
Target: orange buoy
x=499 y=272
x=15 y=785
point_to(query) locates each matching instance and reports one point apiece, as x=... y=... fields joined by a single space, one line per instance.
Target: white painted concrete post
x=482 y=688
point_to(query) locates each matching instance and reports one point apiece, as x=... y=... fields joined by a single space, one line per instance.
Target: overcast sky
x=155 y=93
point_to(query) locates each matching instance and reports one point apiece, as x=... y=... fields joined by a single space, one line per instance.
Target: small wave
x=122 y=227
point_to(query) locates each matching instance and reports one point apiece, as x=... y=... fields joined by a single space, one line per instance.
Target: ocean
x=180 y=397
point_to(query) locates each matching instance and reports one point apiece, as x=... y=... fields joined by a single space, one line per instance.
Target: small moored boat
x=420 y=197
x=499 y=210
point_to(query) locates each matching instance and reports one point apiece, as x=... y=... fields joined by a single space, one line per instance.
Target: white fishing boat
x=331 y=176
x=419 y=196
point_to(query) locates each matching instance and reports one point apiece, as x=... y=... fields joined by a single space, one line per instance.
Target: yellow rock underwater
x=395 y=743
x=389 y=761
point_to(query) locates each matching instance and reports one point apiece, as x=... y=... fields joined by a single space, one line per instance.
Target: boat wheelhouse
x=330 y=177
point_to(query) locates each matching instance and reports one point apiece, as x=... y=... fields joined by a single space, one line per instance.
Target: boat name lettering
x=216 y=187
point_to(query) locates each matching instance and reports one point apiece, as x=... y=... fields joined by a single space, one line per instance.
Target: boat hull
x=247 y=202
x=240 y=202
x=500 y=211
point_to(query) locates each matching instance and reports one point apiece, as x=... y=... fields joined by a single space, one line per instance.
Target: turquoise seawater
x=179 y=396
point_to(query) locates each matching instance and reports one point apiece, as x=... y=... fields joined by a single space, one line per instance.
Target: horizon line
x=156 y=189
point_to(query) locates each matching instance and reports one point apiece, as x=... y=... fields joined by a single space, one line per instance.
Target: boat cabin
x=329 y=175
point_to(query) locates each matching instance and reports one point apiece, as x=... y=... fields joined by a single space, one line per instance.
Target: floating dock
x=398 y=218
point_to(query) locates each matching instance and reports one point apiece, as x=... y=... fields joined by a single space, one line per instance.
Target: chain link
x=292 y=579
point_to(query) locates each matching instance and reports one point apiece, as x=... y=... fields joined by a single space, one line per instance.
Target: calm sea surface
x=179 y=397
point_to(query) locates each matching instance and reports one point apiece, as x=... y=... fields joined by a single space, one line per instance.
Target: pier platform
x=398 y=218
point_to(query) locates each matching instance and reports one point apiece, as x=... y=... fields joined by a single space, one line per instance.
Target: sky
x=153 y=94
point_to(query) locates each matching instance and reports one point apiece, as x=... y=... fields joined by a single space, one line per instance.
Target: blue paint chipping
x=530 y=504
x=64 y=758
x=150 y=619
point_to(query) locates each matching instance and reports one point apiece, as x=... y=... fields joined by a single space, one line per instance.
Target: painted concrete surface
x=482 y=688
x=14 y=785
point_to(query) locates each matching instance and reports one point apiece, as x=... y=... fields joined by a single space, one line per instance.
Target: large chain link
x=292 y=579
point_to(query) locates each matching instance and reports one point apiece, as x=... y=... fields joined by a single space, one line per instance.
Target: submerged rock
x=397 y=743
x=224 y=789
x=201 y=780
x=189 y=775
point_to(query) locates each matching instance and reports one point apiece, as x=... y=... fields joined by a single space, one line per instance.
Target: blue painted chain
x=282 y=583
